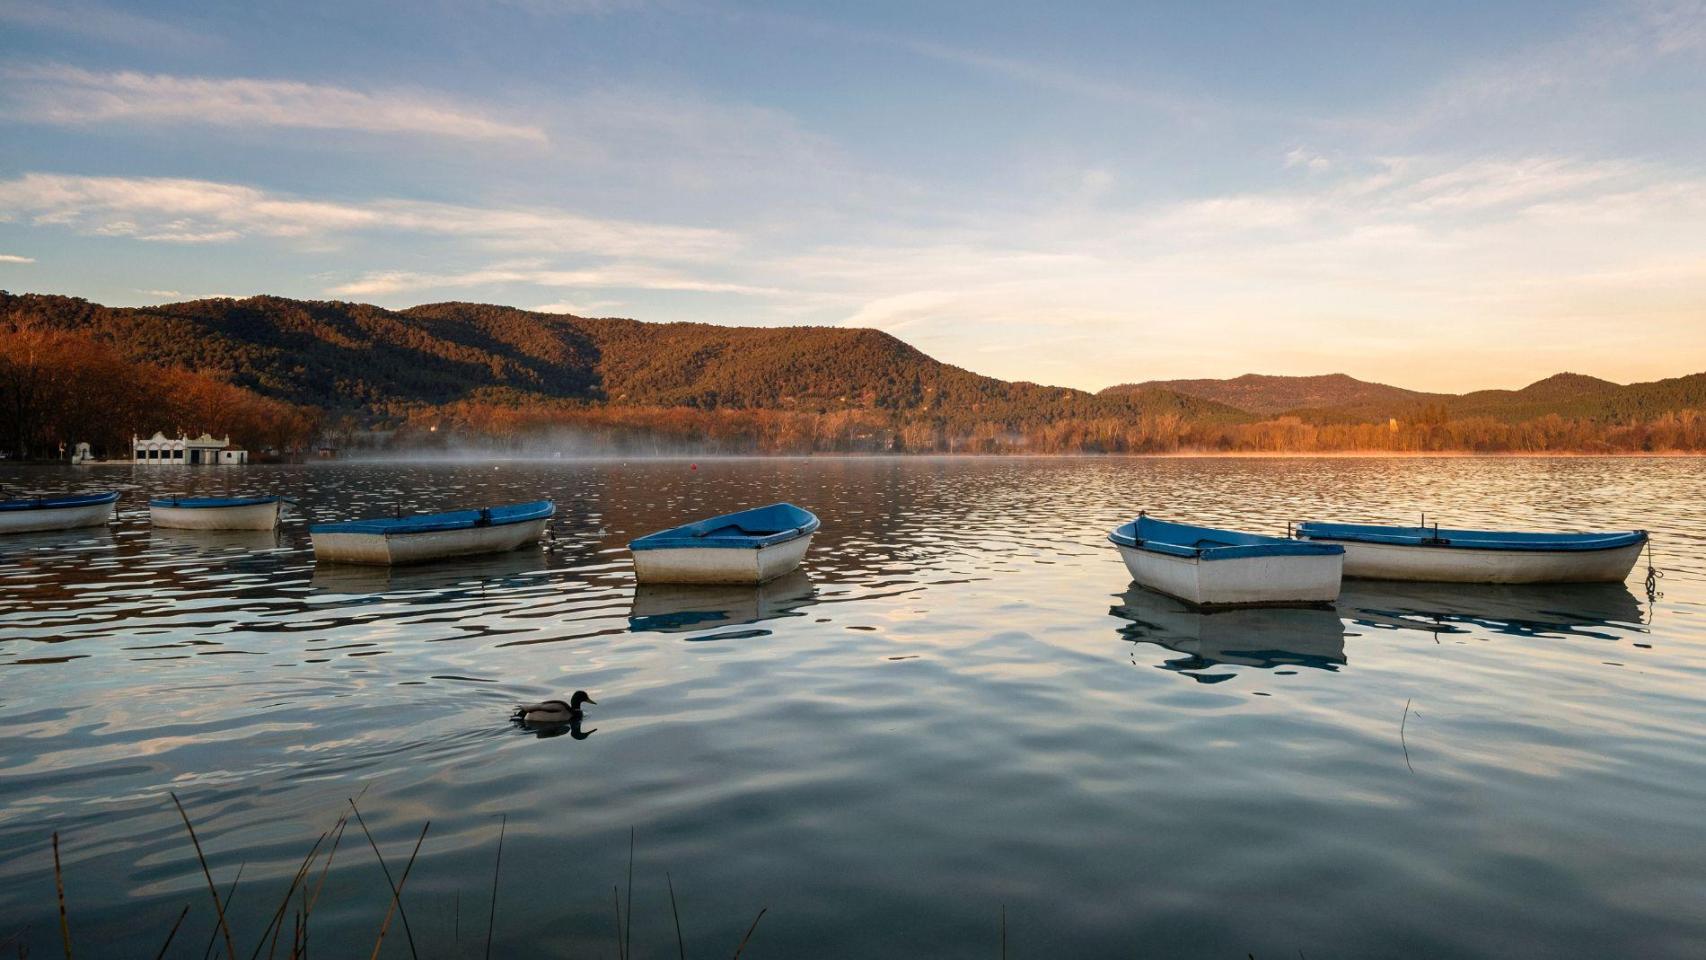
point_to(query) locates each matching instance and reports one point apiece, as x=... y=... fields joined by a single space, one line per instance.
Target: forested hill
x=351 y=356
x=1268 y=395
x=1340 y=399
x=283 y=373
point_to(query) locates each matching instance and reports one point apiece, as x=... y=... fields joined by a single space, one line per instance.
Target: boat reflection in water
x=678 y=608
x=214 y=541
x=1260 y=637
x=1603 y=610
x=473 y=574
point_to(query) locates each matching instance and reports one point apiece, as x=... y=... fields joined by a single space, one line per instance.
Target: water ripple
x=959 y=705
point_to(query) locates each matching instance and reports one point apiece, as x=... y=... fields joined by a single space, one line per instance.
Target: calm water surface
x=960 y=706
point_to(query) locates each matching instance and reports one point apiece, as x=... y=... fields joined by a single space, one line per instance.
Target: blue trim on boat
x=1516 y=541
x=747 y=529
x=59 y=503
x=200 y=503
x=440 y=522
x=1211 y=543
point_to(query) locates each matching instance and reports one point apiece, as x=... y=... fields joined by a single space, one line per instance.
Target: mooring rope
x=1654 y=575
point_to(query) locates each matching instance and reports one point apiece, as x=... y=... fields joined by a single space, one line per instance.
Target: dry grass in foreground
x=287 y=931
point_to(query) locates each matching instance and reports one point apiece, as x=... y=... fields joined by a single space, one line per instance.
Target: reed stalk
x=407 y=932
x=492 y=918
x=173 y=932
x=628 y=935
x=59 y=886
x=397 y=895
x=231 y=891
x=743 y=940
x=276 y=925
x=680 y=947
x=213 y=891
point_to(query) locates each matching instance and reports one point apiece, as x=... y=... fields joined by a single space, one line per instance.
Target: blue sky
x=1438 y=195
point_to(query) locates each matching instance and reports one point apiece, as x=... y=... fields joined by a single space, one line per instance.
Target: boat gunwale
x=23 y=504
x=388 y=527
x=1163 y=533
x=211 y=503
x=678 y=537
x=1440 y=538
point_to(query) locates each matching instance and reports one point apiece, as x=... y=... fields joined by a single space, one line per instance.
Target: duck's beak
x=592 y=701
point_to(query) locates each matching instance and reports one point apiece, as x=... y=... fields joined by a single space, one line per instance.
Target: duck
x=554 y=711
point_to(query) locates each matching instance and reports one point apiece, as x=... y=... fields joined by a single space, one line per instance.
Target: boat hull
x=56 y=518
x=248 y=516
x=1385 y=561
x=398 y=548
x=720 y=564
x=1272 y=581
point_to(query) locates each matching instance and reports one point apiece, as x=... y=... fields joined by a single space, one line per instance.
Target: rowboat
x=215 y=513
x=1479 y=556
x=1210 y=567
x=431 y=536
x=751 y=546
x=1260 y=637
x=56 y=513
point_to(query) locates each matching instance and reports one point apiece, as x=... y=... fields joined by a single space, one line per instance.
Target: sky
x=1440 y=195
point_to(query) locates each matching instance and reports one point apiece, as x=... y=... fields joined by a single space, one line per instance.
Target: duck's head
x=579 y=698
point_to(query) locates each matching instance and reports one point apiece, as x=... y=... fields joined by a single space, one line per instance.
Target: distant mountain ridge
x=338 y=355
x=1338 y=398
x=482 y=368
x=1266 y=394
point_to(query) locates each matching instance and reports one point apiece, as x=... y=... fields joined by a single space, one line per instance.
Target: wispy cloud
x=1020 y=70
x=1302 y=157
x=204 y=211
x=1488 y=256
x=590 y=308
x=1041 y=75
x=14 y=258
x=66 y=95
x=574 y=7
x=102 y=23
x=1607 y=45
x=615 y=276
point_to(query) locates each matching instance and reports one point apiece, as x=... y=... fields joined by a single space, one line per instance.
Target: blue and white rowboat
x=431 y=536
x=215 y=513
x=751 y=546
x=1210 y=567
x=1479 y=556
x=56 y=513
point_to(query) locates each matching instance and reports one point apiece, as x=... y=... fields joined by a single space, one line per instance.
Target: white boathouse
x=187 y=451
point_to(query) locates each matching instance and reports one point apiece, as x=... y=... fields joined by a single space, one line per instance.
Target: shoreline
x=495 y=457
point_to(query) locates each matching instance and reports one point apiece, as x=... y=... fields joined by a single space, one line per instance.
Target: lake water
x=959 y=710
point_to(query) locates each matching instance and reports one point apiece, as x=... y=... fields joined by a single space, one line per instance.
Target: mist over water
x=959 y=706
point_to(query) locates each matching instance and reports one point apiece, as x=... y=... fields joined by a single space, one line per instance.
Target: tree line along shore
x=284 y=378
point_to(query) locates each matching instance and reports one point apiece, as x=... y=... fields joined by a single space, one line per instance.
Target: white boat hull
x=719 y=564
x=55 y=518
x=379 y=549
x=249 y=516
x=1385 y=561
x=1238 y=582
